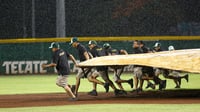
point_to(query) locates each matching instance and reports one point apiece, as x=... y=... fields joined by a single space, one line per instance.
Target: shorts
x=175 y=73
x=138 y=72
x=117 y=74
x=157 y=71
x=103 y=74
x=148 y=71
x=81 y=74
x=62 y=81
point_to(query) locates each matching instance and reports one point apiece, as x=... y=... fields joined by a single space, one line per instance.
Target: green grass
x=26 y=84
x=111 y=108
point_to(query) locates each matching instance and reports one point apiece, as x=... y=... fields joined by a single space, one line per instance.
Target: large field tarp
x=184 y=60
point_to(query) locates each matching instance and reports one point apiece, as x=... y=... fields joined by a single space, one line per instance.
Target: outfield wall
x=27 y=58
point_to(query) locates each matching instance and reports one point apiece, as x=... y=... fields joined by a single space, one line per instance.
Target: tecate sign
x=24 y=67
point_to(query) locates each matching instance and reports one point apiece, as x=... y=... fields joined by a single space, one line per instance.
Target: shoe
x=106 y=86
x=73 y=99
x=153 y=86
x=123 y=92
x=73 y=88
x=186 y=77
x=92 y=93
x=130 y=82
x=150 y=85
x=120 y=92
x=162 y=85
x=177 y=86
x=138 y=90
x=133 y=91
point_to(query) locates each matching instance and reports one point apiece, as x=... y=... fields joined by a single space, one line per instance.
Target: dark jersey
x=113 y=51
x=81 y=49
x=137 y=50
x=145 y=49
x=60 y=58
x=97 y=52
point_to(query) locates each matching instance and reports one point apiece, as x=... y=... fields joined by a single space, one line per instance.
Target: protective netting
x=22 y=18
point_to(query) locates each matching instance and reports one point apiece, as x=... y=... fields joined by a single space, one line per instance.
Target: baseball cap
x=54 y=45
x=73 y=39
x=92 y=42
x=106 y=45
x=157 y=44
x=171 y=48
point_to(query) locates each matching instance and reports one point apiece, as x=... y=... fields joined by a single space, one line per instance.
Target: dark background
x=101 y=18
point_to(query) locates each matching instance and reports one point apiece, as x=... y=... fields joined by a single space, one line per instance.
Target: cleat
x=177 y=86
x=106 y=86
x=153 y=86
x=119 y=92
x=132 y=91
x=186 y=77
x=139 y=90
x=123 y=92
x=150 y=85
x=92 y=93
x=73 y=99
x=130 y=82
x=162 y=85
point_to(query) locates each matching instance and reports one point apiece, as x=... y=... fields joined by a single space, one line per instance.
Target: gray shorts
x=158 y=71
x=117 y=74
x=138 y=72
x=81 y=74
x=102 y=74
x=62 y=81
x=175 y=73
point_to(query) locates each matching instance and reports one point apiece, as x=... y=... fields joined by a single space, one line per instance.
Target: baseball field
x=38 y=93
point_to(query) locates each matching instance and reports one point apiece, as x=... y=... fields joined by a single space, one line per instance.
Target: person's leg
x=135 y=82
x=105 y=77
x=92 y=77
x=117 y=79
x=62 y=82
x=137 y=75
x=141 y=85
x=79 y=75
x=177 y=83
x=178 y=74
x=69 y=92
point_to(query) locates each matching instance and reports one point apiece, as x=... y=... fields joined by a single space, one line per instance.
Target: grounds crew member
x=142 y=73
x=98 y=51
x=60 y=61
x=118 y=71
x=172 y=74
x=83 y=56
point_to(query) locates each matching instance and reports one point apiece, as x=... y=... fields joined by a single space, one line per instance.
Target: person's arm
x=73 y=59
x=48 y=65
x=86 y=55
x=123 y=52
x=53 y=64
x=90 y=54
